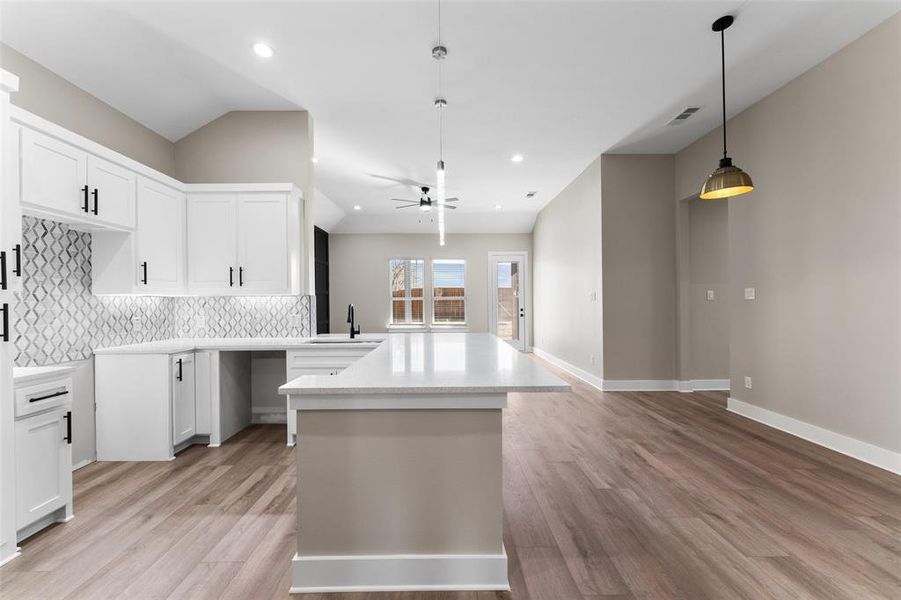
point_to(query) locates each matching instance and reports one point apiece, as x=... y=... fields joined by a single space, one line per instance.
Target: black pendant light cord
x=723 y=79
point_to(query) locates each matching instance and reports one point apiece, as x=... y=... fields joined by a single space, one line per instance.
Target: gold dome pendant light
x=728 y=180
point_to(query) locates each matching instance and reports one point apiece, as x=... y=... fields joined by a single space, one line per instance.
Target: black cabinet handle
x=2 y=270
x=231 y=277
x=17 y=270
x=96 y=195
x=68 y=418
x=179 y=370
x=48 y=396
x=144 y=268
x=4 y=336
x=84 y=206
x=240 y=276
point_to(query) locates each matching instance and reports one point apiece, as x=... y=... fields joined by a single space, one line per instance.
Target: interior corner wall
x=255 y=147
x=46 y=94
x=820 y=240
x=567 y=288
x=639 y=267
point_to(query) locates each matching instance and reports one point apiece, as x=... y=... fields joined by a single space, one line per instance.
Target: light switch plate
x=710 y=295
x=750 y=293
x=748 y=383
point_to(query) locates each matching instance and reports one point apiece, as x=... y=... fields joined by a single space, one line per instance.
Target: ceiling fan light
x=727 y=181
x=425 y=207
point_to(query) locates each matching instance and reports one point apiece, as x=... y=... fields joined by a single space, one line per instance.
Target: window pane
x=406 y=282
x=448 y=291
x=398 y=311
x=450 y=310
x=417 y=311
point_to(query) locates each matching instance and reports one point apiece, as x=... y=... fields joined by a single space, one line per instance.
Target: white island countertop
x=179 y=345
x=432 y=364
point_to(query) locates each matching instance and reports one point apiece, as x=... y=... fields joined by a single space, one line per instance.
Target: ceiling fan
x=425 y=203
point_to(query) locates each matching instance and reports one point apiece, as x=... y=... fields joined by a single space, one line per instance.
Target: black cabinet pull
x=48 y=396
x=68 y=418
x=179 y=370
x=86 y=204
x=96 y=199
x=2 y=270
x=4 y=336
x=240 y=276
x=17 y=270
x=144 y=268
x=231 y=277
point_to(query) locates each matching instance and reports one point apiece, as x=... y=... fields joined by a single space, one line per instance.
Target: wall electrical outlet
x=710 y=295
x=137 y=324
x=748 y=383
x=294 y=321
x=750 y=293
x=591 y=358
x=593 y=296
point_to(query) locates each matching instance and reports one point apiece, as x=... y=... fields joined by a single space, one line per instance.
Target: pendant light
x=728 y=180
x=439 y=53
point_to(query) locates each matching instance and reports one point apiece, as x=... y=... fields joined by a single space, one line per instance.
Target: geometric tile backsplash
x=58 y=319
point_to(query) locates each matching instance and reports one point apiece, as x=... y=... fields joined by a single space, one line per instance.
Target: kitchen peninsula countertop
x=178 y=345
x=436 y=364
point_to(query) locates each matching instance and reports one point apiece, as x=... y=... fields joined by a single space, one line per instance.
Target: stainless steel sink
x=339 y=341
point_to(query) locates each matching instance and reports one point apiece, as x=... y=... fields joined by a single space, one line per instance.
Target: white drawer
x=295 y=372
x=325 y=357
x=41 y=396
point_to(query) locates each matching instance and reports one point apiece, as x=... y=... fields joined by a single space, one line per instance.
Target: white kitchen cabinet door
x=183 y=405
x=54 y=175
x=159 y=238
x=212 y=252
x=112 y=193
x=263 y=243
x=43 y=466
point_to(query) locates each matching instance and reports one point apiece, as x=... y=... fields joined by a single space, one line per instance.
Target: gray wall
x=48 y=95
x=358 y=269
x=819 y=239
x=255 y=147
x=639 y=267
x=567 y=286
x=708 y=269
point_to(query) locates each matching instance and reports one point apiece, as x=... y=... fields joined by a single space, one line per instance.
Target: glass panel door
x=507 y=299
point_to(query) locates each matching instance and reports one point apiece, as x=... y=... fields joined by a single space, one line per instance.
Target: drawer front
x=43 y=396
x=295 y=372
x=325 y=357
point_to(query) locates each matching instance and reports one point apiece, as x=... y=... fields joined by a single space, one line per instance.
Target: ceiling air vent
x=683 y=116
x=530 y=195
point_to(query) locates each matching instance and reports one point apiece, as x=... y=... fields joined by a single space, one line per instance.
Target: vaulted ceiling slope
x=558 y=82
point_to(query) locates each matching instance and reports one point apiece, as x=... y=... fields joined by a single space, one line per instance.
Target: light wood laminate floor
x=607 y=495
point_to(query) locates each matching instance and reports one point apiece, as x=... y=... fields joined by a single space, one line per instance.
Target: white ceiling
x=559 y=82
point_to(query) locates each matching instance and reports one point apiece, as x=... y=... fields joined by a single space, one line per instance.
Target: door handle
x=179 y=370
x=68 y=418
x=4 y=335
x=84 y=206
x=231 y=277
x=144 y=268
x=96 y=195
x=17 y=270
x=240 y=276
x=2 y=270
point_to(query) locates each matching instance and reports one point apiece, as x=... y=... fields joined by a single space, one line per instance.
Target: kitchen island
x=399 y=465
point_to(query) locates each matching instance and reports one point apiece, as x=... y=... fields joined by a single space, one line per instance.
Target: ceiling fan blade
x=451 y=199
x=408 y=205
x=402 y=181
x=404 y=200
x=448 y=207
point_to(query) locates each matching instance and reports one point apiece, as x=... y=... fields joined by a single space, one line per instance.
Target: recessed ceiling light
x=315 y=160
x=263 y=50
x=497 y=207
x=516 y=158
x=357 y=207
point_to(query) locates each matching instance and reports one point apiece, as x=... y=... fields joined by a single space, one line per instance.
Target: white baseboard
x=15 y=554
x=592 y=380
x=866 y=452
x=399 y=573
x=697 y=385
x=268 y=414
x=83 y=463
x=641 y=385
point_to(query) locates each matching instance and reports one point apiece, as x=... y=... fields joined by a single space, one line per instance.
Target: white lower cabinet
x=43 y=465
x=146 y=405
x=183 y=399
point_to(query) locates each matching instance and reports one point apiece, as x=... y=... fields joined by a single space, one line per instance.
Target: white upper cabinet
x=160 y=238
x=244 y=239
x=212 y=243
x=63 y=182
x=263 y=243
x=112 y=193
x=54 y=175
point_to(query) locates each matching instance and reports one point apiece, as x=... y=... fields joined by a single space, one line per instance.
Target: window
x=449 y=292
x=407 y=286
